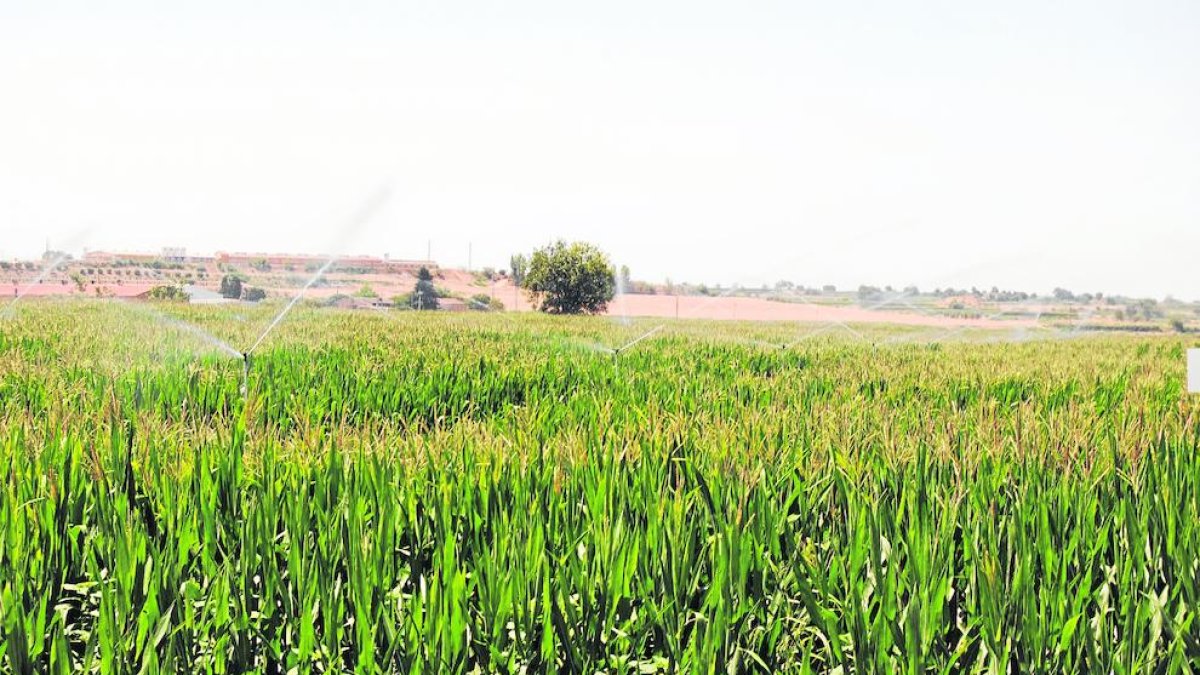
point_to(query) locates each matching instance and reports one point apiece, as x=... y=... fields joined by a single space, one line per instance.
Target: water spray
x=622 y=295
x=629 y=345
x=195 y=331
x=76 y=239
x=360 y=218
x=833 y=324
x=1020 y=305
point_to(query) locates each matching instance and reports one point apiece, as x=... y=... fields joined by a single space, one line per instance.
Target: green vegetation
x=519 y=266
x=424 y=295
x=169 y=293
x=575 y=278
x=482 y=302
x=231 y=286
x=334 y=300
x=429 y=492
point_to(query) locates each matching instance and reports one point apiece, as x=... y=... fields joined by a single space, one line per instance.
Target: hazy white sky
x=1023 y=144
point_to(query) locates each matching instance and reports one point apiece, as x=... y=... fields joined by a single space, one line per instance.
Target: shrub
x=482 y=302
x=168 y=293
x=231 y=286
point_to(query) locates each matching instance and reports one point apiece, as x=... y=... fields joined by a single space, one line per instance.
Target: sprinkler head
x=245 y=373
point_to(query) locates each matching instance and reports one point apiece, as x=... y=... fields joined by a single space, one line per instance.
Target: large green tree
x=575 y=278
x=424 y=295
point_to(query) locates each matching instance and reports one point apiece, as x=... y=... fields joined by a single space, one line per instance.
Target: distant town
x=381 y=282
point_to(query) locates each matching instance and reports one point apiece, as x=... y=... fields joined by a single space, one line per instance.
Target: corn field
x=423 y=492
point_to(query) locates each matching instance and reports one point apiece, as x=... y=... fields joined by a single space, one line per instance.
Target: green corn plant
x=430 y=493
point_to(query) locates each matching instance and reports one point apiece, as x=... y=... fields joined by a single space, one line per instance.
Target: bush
x=168 y=294
x=231 y=286
x=482 y=302
x=254 y=294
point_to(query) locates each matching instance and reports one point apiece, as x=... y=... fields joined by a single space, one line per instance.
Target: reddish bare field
x=662 y=306
x=754 y=309
x=687 y=307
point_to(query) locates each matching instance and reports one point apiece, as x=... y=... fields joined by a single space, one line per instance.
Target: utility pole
x=469 y=267
x=429 y=251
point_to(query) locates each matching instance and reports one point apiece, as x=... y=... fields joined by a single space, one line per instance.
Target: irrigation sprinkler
x=957 y=330
x=629 y=345
x=221 y=346
x=1013 y=309
x=211 y=340
x=835 y=324
x=245 y=373
x=360 y=218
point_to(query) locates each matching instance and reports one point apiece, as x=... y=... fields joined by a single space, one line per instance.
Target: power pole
x=429 y=251
x=469 y=267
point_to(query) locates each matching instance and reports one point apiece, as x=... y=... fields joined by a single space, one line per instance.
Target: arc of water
x=643 y=336
x=807 y=254
x=46 y=271
x=37 y=280
x=1055 y=333
x=195 y=331
x=994 y=315
x=360 y=218
x=833 y=324
x=582 y=344
x=902 y=299
x=622 y=295
x=1081 y=321
x=852 y=239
